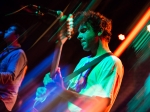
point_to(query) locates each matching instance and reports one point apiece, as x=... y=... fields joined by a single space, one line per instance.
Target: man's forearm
x=75 y=98
x=90 y=104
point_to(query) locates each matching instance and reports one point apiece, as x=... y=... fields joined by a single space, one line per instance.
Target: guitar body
x=50 y=104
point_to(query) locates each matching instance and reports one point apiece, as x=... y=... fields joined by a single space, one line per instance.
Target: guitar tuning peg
x=70 y=19
x=70 y=16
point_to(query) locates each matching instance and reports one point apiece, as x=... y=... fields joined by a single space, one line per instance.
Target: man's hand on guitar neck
x=58 y=79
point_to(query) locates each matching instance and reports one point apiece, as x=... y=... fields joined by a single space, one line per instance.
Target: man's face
x=10 y=35
x=87 y=37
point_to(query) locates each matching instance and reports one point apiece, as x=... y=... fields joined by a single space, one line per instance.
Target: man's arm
x=13 y=68
x=86 y=103
x=5 y=77
x=90 y=104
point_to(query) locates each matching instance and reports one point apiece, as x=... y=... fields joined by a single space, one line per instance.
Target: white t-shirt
x=104 y=80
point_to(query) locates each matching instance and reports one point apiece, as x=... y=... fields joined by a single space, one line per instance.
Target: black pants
x=3 y=107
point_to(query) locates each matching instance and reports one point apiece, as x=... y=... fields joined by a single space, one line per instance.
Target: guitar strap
x=88 y=65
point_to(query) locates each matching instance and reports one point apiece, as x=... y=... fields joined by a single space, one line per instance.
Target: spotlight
x=148 y=27
x=121 y=37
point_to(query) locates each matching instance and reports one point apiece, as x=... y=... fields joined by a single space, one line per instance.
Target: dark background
x=124 y=14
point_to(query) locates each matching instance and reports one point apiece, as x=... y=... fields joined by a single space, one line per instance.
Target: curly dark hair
x=96 y=20
x=20 y=31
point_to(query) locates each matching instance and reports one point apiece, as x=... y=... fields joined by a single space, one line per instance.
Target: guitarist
x=13 y=65
x=95 y=89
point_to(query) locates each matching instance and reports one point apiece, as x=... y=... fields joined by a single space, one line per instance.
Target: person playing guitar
x=93 y=90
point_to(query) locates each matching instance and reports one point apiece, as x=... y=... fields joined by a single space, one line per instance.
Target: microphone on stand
x=40 y=10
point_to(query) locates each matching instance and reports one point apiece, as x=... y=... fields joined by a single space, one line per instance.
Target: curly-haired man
x=95 y=89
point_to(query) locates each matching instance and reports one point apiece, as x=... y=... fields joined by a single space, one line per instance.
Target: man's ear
x=100 y=33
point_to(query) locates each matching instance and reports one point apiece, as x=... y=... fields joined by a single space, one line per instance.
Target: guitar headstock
x=67 y=30
x=69 y=26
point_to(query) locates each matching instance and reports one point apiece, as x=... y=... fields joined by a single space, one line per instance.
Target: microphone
x=57 y=14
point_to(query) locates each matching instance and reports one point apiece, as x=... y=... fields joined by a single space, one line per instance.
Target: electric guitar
x=56 y=58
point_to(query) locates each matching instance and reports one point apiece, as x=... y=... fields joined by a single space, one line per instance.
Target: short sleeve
x=17 y=62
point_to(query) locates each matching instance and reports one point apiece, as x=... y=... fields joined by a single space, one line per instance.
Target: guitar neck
x=56 y=57
x=58 y=49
